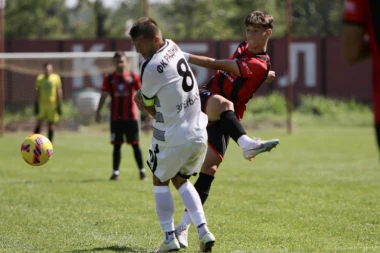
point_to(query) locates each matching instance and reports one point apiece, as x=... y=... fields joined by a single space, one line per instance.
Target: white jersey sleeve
x=151 y=87
x=168 y=79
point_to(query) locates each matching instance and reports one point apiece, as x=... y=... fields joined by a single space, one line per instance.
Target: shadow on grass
x=112 y=248
x=58 y=181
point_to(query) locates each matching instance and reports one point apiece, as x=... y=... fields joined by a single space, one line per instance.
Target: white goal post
x=79 y=71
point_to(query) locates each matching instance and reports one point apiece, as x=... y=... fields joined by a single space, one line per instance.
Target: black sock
x=377 y=128
x=50 y=135
x=231 y=125
x=203 y=186
x=116 y=156
x=37 y=130
x=138 y=155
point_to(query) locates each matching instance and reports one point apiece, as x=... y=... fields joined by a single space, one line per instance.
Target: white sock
x=244 y=141
x=164 y=207
x=202 y=230
x=192 y=202
x=116 y=172
x=186 y=219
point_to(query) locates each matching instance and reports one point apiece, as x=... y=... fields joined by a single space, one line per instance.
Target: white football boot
x=173 y=245
x=259 y=146
x=182 y=232
x=206 y=242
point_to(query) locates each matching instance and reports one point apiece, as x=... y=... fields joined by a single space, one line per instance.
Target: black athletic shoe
x=143 y=176
x=114 y=177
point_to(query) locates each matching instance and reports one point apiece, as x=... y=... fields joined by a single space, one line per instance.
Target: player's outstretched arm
x=211 y=63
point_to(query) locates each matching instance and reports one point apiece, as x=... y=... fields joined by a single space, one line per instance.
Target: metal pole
x=146 y=8
x=290 y=85
x=2 y=72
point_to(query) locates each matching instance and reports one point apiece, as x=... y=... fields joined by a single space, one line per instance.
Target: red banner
x=316 y=64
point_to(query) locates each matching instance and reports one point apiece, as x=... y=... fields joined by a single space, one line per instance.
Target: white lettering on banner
x=201 y=74
x=309 y=50
x=86 y=65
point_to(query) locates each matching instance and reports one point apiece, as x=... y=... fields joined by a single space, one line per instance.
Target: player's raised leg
x=219 y=108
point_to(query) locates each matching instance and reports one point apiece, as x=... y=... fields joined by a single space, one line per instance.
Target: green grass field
x=318 y=191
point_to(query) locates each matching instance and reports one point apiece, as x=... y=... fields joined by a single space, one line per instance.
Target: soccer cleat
x=173 y=245
x=182 y=232
x=259 y=146
x=207 y=242
x=114 y=177
x=143 y=176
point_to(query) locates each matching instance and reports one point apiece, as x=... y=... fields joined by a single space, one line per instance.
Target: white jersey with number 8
x=167 y=78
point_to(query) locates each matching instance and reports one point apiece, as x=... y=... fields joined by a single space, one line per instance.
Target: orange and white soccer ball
x=36 y=149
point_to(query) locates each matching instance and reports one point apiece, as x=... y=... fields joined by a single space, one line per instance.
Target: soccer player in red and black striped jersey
x=121 y=86
x=223 y=100
x=361 y=40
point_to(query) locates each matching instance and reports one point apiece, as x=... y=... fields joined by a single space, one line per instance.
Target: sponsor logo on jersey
x=191 y=100
x=247 y=68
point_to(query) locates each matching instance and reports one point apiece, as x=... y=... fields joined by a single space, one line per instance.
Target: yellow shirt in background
x=47 y=87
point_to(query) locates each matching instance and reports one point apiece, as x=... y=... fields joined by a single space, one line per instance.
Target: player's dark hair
x=260 y=18
x=118 y=54
x=47 y=64
x=146 y=27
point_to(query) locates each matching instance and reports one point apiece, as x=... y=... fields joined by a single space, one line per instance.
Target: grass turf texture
x=318 y=191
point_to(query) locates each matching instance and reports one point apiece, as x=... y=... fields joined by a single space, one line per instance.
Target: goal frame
x=134 y=65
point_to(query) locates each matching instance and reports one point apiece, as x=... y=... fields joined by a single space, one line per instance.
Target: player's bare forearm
x=211 y=63
x=59 y=96
x=271 y=76
x=139 y=100
x=102 y=100
x=151 y=110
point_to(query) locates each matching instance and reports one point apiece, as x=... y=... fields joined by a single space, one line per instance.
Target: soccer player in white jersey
x=170 y=93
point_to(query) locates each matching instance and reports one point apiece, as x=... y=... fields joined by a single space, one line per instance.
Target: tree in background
x=196 y=19
x=35 y=19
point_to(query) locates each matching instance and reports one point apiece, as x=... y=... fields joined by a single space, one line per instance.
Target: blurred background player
x=121 y=86
x=361 y=40
x=224 y=98
x=179 y=143
x=47 y=106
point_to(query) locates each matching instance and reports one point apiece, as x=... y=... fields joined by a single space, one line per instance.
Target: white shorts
x=186 y=160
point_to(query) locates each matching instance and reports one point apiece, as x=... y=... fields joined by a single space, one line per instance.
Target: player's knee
x=157 y=181
x=178 y=181
x=216 y=105
x=226 y=105
x=209 y=169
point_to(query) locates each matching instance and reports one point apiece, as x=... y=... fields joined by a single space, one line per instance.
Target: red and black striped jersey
x=253 y=68
x=121 y=88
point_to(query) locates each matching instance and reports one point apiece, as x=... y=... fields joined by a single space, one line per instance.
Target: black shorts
x=217 y=138
x=127 y=128
x=205 y=96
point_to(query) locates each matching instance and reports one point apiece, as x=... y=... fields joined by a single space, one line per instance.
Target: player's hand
x=97 y=117
x=270 y=77
x=36 y=108
x=59 y=109
x=138 y=100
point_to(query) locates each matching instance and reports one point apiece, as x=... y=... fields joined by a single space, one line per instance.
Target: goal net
x=82 y=77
